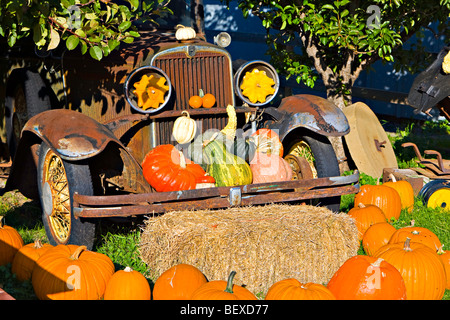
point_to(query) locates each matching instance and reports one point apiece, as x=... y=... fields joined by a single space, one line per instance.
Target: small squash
x=184 y=33
x=127 y=284
x=384 y=197
x=10 y=243
x=365 y=216
x=208 y=100
x=367 y=278
x=178 y=283
x=222 y=290
x=25 y=259
x=150 y=91
x=256 y=86
x=270 y=168
x=405 y=191
x=292 y=289
x=184 y=128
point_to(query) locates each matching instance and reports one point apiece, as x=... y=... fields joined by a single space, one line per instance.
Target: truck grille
x=206 y=70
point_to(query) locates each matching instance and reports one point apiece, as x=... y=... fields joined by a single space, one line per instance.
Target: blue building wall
x=248 y=43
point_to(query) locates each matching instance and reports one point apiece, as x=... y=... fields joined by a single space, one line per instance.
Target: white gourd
x=184 y=128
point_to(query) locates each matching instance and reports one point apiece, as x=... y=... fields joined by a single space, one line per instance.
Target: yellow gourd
x=150 y=91
x=256 y=86
x=446 y=63
x=230 y=129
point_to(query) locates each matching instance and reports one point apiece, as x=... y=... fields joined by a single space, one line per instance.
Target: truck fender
x=70 y=134
x=308 y=111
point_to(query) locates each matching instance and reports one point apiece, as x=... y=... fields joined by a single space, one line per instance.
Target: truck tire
x=320 y=154
x=58 y=180
x=26 y=97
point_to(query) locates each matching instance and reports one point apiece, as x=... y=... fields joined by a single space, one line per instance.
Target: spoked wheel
x=318 y=160
x=58 y=180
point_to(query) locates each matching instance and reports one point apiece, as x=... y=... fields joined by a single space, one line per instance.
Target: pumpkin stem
x=361 y=205
x=77 y=253
x=392 y=177
x=37 y=244
x=377 y=263
x=441 y=250
x=182 y=160
x=407 y=246
x=128 y=269
x=413 y=222
x=229 y=287
x=1 y=222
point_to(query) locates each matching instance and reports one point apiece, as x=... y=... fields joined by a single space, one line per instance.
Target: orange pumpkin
x=367 y=278
x=222 y=290
x=127 y=284
x=384 y=197
x=166 y=169
x=420 y=267
x=405 y=191
x=178 y=283
x=195 y=101
x=444 y=255
x=267 y=167
x=70 y=272
x=376 y=236
x=10 y=243
x=208 y=100
x=292 y=289
x=25 y=259
x=365 y=216
x=416 y=234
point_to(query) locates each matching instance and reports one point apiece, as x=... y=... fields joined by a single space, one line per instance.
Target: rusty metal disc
x=368 y=143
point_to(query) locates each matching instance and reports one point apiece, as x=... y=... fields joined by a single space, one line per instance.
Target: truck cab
x=76 y=133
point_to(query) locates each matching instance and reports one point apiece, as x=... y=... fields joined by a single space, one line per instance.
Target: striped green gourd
x=228 y=169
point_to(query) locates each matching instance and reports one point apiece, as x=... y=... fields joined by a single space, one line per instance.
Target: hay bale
x=263 y=244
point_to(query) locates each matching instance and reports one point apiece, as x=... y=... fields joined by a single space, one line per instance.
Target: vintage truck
x=76 y=136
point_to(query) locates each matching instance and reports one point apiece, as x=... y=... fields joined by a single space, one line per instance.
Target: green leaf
x=124 y=26
x=96 y=53
x=72 y=42
x=328 y=7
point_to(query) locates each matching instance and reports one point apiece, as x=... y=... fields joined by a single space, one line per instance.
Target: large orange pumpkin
x=70 y=272
x=25 y=259
x=127 y=284
x=444 y=255
x=367 y=278
x=384 y=197
x=405 y=191
x=292 y=289
x=166 y=169
x=376 y=236
x=222 y=290
x=365 y=216
x=178 y=283
x=420 y=267
x=269 y=167
x=10 y=243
